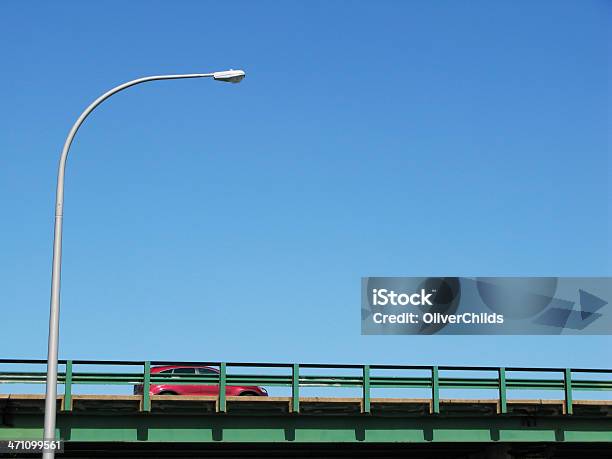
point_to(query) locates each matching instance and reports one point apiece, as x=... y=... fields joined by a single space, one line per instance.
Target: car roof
x=171 y=367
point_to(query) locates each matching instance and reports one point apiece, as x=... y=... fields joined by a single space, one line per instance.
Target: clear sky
x=207 y=221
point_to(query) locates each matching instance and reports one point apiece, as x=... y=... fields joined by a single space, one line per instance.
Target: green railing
x=367 y=378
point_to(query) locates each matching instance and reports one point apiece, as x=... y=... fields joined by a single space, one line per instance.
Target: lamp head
x=230 y=76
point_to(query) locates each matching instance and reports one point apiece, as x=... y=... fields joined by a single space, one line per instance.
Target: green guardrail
x=433 y=378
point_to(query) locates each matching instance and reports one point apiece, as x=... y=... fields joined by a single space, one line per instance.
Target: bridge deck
x=126 y=421
x=179 y=404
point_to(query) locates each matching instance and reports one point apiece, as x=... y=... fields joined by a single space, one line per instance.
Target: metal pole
x=51 y=390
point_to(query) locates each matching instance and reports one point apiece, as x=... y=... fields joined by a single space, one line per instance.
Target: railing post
x=366 y=389
x=295 y=388
x=435 y=390
x=567 y=385
x=68 y=387
x=222 y=405
x=146 y=387
x=503 y=401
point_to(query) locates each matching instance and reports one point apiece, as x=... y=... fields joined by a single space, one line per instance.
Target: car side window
x=184 y=371
x=206 y=371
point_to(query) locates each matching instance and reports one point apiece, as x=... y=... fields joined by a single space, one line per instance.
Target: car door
x=208 y=389
x=160 y=387
x=186 y=389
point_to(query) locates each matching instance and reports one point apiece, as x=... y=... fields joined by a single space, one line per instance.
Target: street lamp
x=230 y=76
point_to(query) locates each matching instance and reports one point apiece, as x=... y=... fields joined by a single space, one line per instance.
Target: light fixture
x=231 y=76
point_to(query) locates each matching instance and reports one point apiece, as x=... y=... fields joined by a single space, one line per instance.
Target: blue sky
x=207 y=221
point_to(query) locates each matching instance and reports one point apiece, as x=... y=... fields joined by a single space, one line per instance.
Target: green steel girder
x=312 y=428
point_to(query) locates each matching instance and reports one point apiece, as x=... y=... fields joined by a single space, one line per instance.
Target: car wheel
x=248 y=394
x=167 y=392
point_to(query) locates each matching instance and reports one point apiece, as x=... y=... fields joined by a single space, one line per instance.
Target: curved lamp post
x=231 y=76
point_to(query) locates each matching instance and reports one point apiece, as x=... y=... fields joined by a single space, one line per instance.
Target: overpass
x=99 y=416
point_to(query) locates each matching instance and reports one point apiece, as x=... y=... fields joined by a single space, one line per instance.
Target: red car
x=194 y=389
